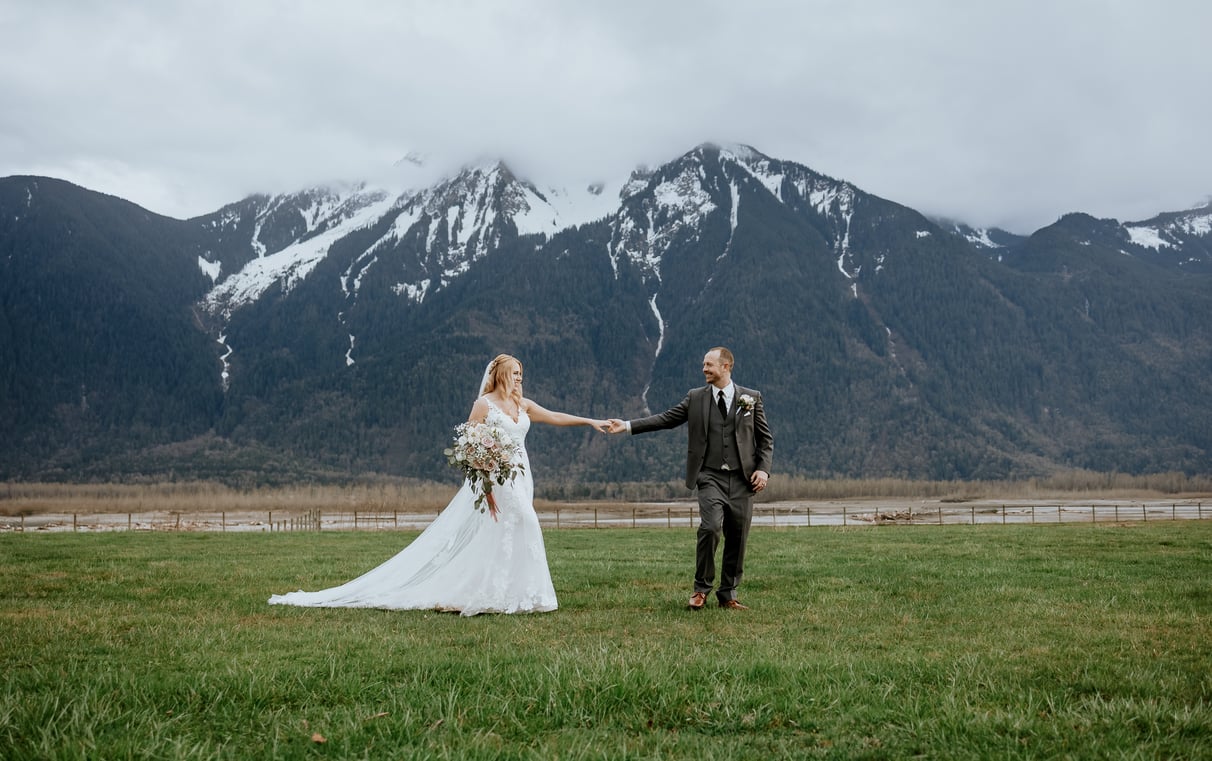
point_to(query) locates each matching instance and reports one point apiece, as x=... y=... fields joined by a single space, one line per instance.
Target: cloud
x=1010 y=115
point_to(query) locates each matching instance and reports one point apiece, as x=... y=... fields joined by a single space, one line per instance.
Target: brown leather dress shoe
x=733 y=605
x=697 y=601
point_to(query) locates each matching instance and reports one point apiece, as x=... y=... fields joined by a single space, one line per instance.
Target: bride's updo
x=498 y=376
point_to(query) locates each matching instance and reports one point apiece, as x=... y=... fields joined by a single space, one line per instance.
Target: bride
x=467 y=561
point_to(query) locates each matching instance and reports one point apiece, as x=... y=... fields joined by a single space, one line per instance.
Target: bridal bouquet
x=485 y=455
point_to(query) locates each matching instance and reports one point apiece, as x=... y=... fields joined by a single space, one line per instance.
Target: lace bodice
x=516 y=429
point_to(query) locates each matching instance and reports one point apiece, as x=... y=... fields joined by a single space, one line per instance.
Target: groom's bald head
x=725 y=356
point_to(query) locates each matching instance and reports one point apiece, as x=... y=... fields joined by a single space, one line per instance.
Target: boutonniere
x=746 y=402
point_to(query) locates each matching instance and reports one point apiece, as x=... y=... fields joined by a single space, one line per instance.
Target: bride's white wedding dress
x=464 y=561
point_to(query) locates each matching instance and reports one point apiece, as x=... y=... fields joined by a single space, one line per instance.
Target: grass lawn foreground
x=1076 y=641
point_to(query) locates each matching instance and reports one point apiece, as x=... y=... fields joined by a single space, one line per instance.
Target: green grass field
x=959 y=642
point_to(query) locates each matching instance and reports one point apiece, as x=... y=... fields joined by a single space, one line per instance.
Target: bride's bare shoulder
x=479 y=410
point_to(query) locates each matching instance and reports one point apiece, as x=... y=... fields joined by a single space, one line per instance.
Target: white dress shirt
x=729 y=392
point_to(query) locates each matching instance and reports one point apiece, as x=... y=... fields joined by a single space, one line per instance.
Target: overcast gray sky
x=997 y=113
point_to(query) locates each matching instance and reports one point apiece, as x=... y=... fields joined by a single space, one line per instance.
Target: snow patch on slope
x=1155 y=235
x=679 y=203
x=211 y=269
x=979 y=238
x=293 y=263
x=1148 y=237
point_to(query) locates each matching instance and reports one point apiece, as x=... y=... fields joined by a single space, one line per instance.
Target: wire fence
x=646 y=515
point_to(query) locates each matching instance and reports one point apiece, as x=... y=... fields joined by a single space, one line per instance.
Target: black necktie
x=723 y=406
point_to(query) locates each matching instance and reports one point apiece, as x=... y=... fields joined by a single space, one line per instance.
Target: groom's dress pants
x=725 y=510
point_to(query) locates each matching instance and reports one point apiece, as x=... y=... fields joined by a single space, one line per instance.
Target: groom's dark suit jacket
x=754 y=442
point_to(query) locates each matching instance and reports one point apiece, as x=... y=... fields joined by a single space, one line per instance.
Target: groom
x=728 y=457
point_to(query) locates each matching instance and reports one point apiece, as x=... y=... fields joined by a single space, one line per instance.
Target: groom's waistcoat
x=749 y=434
x=721 y=451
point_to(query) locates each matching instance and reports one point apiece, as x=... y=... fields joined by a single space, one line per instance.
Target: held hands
x=613 y=425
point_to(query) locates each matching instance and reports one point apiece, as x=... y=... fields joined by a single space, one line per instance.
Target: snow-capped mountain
x=436 y=234
x=287 y=236
x=429 y=235
x=336 y=327
x=661 y=206
x=424 y=237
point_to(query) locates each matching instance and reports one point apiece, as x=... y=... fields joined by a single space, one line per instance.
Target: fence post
x=73 y=521
x=1003 y=515
x=595 y=517
x=668 y=517
x=129 y=521
x=843 y=515
x=973 y=514
x=1033 y=514
x=1093 y=515
x=808 y=515
x=271 y=520
x=1173 y=511
x=633 y=517
x=557 y=516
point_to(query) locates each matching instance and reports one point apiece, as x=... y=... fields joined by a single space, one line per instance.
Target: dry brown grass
x=195 y=497
x=1068 y=485
x=38 y=498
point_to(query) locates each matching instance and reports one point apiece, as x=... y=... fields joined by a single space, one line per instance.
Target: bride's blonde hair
x=498 y=375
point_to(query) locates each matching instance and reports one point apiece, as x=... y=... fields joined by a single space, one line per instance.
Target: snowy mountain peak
x=736 y=151
x=419 y=229
x=663 y=205
x=290 y=235
x=455 y=221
